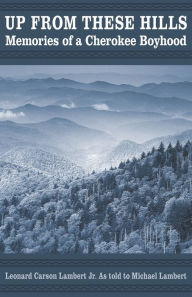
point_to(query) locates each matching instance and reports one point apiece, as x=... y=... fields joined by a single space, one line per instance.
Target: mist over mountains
x=95 y=125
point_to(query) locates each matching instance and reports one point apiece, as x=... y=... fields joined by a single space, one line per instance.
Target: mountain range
x=49 y=91
x=56 y=132
x=93 y=124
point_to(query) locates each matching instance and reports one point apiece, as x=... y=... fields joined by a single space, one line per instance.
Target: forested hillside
x=144 y=206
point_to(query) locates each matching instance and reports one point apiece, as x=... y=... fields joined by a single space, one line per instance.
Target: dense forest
x=143 y=206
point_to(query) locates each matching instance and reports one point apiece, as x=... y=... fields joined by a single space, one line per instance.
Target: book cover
x=95 y=148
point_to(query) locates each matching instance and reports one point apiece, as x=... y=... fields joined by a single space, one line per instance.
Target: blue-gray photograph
x=95 y=159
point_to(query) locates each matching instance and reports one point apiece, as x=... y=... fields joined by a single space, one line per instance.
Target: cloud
x=101 y=106
x=72 y=105
x=9 y=115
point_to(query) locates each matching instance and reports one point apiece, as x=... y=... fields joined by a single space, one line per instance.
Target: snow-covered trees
x=144 y=206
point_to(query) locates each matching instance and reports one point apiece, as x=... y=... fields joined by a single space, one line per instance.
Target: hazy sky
x=116 y=74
